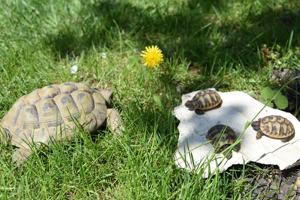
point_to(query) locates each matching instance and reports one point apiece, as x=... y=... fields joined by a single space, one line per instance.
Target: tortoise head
x=255 y=125
x=190 y=104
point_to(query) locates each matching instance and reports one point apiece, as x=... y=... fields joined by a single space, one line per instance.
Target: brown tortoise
x=51 y=112
x=222 y=137
x=274 y=126
x=204 y=100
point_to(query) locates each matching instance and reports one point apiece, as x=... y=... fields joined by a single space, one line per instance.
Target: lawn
x=205 y=44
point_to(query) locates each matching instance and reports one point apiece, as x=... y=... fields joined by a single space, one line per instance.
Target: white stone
x=103 y=55
x=74 y=69
x=238 y=109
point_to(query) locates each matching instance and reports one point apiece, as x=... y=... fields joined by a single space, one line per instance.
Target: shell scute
x=83 y=100
x=32 y=97
x=221 y=137
x=100 y=113
x=68 y=88
x=83 y=87
x=48 y=92
x=30 y=115
x=66 y=105
x=48 y=111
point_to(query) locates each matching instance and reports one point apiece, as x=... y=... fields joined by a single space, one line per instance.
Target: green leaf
x=281 y=101
x=247 y=124
x=270 y=104
x=267 y=102
x=267 y=93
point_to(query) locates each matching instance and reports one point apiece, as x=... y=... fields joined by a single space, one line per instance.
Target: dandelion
x=152 y=56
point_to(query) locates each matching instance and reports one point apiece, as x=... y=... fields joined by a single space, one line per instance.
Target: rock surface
x=237 y=111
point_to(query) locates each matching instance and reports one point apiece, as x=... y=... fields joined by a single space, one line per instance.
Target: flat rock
x=238 y=110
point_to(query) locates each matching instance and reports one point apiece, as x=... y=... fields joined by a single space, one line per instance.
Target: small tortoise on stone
x=50 y=112
x=274 y=126
x=222 y=137
x=204 y=100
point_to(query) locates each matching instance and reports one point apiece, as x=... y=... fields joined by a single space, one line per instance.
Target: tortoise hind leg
x=199 y=112
x=287 y=138
x=21 y=155
x=114 y=121
x=259 y=134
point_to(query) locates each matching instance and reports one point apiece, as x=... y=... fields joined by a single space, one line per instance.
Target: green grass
x=206 y=44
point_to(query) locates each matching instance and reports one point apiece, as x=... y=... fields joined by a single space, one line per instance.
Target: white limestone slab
x=238 y=109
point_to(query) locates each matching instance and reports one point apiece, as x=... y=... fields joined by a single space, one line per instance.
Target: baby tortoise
x=204 y=100
x=222 y=137
x=274 y=126
x=50 y=112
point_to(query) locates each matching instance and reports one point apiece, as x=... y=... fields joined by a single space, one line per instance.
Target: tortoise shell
x=204 y=100
x=274 y=126
x=222 y=137
x=39 y=115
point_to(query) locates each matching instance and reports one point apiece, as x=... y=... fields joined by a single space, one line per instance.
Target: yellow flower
x=152 y=56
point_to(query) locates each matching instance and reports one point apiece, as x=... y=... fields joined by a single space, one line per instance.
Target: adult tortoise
x=51 y=112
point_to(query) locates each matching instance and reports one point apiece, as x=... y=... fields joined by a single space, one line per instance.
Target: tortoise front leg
x=114 y=121
x=259 y=134
x=199 y=112
x=21 y=155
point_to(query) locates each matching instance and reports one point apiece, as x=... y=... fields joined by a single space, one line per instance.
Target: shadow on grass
x=194 y=31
